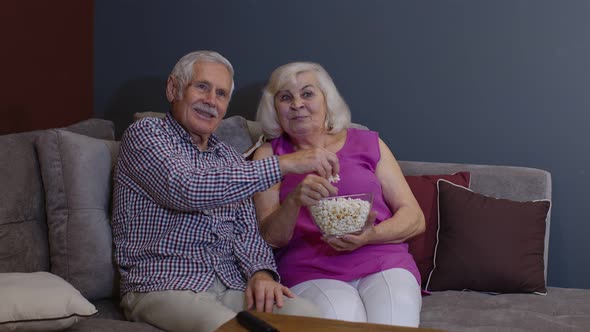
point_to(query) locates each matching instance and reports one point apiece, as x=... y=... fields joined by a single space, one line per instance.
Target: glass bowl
x=340 y=215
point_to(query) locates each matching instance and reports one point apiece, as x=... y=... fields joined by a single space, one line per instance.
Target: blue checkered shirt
x=181 y=216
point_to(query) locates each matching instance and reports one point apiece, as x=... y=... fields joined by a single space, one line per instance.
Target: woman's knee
x=335 y=299
x=392 y=297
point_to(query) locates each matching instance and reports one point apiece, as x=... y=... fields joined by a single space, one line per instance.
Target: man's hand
x=262 y=292
x=311 y=190
x=318 y=160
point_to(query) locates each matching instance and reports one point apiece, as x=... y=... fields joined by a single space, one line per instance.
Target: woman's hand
x=263 y=292
x=350 y=242
x=311 y=190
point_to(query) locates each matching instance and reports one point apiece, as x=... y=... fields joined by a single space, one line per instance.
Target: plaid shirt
x=182 y=216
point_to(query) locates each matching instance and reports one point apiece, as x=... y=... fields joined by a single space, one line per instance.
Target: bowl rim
x=350 y=195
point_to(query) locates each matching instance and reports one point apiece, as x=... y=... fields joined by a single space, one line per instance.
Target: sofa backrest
x=84 y=257
x=509 y=182
x=23 y=230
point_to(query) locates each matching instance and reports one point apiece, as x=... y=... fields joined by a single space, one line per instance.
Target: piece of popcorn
x=334 y=179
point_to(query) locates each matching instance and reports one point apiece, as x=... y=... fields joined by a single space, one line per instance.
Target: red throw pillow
x=489 y=244
x=425 y=191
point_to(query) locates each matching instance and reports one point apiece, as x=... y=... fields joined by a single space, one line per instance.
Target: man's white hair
x=183 y=70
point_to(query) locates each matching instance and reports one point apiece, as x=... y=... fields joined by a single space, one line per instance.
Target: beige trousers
x=185 y=310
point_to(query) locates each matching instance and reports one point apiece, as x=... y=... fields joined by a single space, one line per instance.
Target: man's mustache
x=212 y=110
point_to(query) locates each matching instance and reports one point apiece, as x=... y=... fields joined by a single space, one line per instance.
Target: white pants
x=389 y=297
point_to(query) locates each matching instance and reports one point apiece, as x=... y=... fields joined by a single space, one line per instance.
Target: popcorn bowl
x=340 y=215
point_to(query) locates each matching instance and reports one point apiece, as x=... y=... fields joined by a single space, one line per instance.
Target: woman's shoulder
x=281 y=145
x=362 y=133
x=362 y=142
x=263 y=151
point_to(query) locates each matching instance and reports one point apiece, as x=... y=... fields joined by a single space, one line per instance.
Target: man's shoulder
x=145 y=127
x=148 y=123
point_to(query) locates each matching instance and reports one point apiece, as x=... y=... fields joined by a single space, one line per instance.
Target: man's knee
x=177 y=310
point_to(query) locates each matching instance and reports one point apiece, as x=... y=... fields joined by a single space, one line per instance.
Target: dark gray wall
x=490 y=82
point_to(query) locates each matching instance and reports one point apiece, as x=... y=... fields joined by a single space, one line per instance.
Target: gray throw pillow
x=234 y=131
x=77 y=176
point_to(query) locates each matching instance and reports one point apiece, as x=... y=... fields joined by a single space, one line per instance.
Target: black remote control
x=253 y=323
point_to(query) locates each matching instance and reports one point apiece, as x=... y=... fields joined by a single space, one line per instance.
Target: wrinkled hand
x=318 y=160
x=350 y=242
x=262 y=292
x=311 y=190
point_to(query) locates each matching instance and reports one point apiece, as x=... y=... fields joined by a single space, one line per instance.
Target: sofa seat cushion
x=77 y=177
x=110 y=325
x=109 y=309
x=562 y=309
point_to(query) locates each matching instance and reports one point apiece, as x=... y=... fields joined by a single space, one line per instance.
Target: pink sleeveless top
x=306 y=256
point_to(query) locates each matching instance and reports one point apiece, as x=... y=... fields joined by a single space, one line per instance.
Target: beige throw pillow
x=40 y=301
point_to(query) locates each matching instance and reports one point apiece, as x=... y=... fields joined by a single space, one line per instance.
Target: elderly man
x=187 y=242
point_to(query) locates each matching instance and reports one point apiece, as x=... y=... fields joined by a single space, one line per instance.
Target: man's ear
x=171 y=89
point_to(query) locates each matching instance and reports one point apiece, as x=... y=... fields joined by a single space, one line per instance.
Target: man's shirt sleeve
x=150 y=159
x=252 y=252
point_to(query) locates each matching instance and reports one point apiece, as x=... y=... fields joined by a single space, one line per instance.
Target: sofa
x=56 y=254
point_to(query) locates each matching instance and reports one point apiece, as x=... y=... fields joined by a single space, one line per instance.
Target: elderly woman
x=366 y=277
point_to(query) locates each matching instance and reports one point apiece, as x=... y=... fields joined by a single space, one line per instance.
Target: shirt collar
x=212 y=144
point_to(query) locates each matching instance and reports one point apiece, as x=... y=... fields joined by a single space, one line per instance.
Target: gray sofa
x=55 y=209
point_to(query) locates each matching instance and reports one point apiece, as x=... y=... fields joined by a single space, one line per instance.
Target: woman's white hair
x=338 y=113
x=183 y=70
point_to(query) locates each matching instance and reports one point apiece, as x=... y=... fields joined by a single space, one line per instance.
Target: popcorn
x=334 y=179
x=341 y=215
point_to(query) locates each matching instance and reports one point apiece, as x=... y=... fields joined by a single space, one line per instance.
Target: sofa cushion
x=111 y=325
x=563 y=309
x=76 y=173
x=234 y=131
x=23 y=231
x=425 y=190
x=488 y=244
x=40 y=301
x=97 y=128
x=509 y=182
